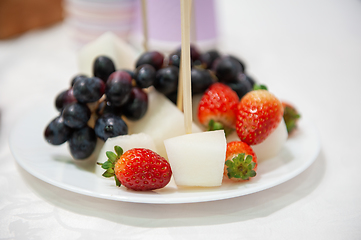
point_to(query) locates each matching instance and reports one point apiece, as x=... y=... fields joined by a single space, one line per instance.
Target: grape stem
x=93 y=106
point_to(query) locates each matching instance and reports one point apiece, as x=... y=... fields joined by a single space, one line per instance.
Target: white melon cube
x=163 y=120
x=126 y=142
x=273 y=144
x=197 y=159
x=123 y=55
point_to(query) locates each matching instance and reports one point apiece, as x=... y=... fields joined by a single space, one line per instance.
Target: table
x=307 y=52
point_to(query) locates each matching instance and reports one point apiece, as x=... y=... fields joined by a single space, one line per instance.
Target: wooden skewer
x=186 y=64
x=193 y=37
x=180 y=89
x=145 y=25
x=193 y=23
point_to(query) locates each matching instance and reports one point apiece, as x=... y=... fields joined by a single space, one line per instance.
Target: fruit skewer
x=145 y=25
x=193 y=151
x=186 y=64
x=192 y=37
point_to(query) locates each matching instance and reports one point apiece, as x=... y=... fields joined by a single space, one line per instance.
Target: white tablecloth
x=307 y=52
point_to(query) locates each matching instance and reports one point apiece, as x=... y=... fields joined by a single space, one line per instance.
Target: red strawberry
x=259 y=113
x=217 y=108
x=138 y=169
x=291 y=116
x=241 y=161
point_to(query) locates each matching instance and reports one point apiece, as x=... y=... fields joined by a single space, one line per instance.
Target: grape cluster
x=94 y=107
x=207 y=68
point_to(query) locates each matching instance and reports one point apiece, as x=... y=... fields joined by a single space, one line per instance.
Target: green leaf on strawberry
x=259 y=87
x=291 y=116
x=107 y=165
x=118 y=150
x=110 y=164
x=107 y=174
x=241 y=167
x=112 y=157
x=213 y=126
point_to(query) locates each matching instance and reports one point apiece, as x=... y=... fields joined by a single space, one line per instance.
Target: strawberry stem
x=260 y=87
x=290 y=115
x=118 y=150
x=241 y=167
x=109 y=165
x=213 y=126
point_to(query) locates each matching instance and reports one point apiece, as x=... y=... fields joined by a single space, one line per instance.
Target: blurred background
x=19 y=16
x=307 y=52
x=88 y=19
x=303 y=44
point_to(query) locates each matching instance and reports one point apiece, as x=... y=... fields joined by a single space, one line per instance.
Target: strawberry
x=241 y=161
x=291 y=116
x=137 y=169
x=217 y=108
x=258 y=113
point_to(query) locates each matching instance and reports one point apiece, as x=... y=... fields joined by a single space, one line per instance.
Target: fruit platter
x=183 y=127
x=55 y=166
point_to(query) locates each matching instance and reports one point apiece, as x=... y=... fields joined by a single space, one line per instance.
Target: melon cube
x=163 y=120
x=197 y=159
x=126 y=142
x=108 y=44
x=273 y=144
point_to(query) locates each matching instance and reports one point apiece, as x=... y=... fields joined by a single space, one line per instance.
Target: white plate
x=53 y=164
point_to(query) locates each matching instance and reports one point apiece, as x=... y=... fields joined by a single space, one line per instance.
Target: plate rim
x=140 y=199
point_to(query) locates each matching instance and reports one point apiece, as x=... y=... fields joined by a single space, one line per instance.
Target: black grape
x=241 y=86
x=250 y=80
x=173 y=97
x=87 y=90
x=82 y=143
x=200 y=79
x=175 y=57
x=227 y=69
x=106 y=107
x=239 y=61
x=57 y=133
x=131 y=73
x=64 y=98
x=144 y=75
x=209 y=57
x=76 y=115
x=102 y=68
x=153 y=58
x=109 y=125
x=137 y=104
x=166 y=80
x=118 y=88
x=76 y=78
